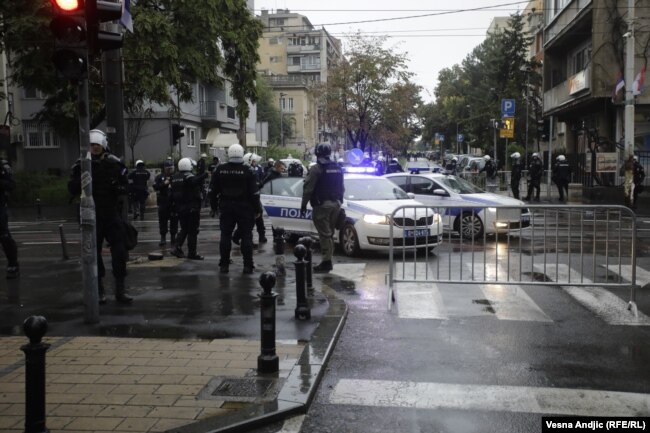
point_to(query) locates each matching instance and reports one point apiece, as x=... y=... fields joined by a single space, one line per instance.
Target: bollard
x=307 y=242
x=268 y=361
x=278 y=248
x=35 y=328
x=64 y=244
x=302 y=311
x=39 y=211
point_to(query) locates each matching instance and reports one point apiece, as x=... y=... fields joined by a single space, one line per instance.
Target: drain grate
x=246 y=389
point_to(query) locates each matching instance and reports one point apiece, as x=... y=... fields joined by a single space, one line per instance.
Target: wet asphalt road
x=575 y=354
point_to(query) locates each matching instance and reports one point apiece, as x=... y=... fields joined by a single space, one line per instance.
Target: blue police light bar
x=360 y=169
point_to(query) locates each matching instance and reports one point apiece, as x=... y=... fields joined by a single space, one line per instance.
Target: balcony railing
x=567 y=90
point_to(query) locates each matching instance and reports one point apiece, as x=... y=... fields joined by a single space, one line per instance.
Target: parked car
x=369 y=201
x=447 y=190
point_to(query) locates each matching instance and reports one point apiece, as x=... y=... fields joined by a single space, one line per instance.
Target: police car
x=437 y=189
x=368 y=202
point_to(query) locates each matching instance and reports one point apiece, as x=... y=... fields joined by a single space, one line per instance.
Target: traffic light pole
x=87 y=212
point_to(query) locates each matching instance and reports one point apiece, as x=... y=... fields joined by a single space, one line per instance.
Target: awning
x=216 y=138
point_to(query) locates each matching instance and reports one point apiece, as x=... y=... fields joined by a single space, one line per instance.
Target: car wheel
x=349 y=241
x=470 y=226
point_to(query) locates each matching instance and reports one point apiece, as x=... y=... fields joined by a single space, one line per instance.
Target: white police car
x=437 y=189
x=368 y=202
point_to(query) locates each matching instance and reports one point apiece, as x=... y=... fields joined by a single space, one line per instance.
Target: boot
x=163 y=240
x=173 y=239
x=102 y=293
x=13 y=272
x=120 y=292
x=324 y=267
x=177 y=252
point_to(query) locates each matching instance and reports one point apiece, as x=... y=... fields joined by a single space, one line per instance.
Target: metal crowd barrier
x=548 y=245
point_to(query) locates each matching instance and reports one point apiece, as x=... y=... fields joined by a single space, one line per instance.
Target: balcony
x=296 y=49
x=568 y=90
x=216 y=111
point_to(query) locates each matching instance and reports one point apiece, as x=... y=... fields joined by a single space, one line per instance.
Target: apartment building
x=583 y=61
x=294 y=55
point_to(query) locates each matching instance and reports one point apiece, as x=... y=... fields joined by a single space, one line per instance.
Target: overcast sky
x=440 y=34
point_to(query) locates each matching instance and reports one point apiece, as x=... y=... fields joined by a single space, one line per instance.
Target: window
x=295 y=61
x=579 y=60
x=31 y=93
x=275 y=59
x=191 y=139
x=421 y=185
x=275 y=40
x=276 y=21
x=286 y=104
x=40 y=136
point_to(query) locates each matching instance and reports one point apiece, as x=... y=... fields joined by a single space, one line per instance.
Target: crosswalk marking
x=420 y=301
x=609 y=307
x=350 y=271
x=642 y=276
x=523 y=399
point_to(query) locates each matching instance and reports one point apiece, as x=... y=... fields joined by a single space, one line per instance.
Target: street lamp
x=282 y=95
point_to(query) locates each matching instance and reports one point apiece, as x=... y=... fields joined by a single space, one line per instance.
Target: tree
x=174 y=45
x=361 y=88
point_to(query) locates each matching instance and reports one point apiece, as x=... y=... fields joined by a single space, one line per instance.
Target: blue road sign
x=507 y=108
x=460 y=138
x=441 y=137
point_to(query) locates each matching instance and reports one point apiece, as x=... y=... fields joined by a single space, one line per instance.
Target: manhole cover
x=247 y=389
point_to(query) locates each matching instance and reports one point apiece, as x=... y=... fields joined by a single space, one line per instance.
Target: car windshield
x=373 y=189
x=460 y=186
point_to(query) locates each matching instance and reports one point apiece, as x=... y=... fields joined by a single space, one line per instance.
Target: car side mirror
x=410 y=194
x=440 y=192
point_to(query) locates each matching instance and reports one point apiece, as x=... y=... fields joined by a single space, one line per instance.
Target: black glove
x=303 y=210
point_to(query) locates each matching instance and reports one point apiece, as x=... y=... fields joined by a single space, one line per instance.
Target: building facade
x=296 y=57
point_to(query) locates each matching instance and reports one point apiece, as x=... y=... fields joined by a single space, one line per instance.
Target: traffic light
x=70 y=39
x=177 y=133
x=97 y=12
x=543 y=129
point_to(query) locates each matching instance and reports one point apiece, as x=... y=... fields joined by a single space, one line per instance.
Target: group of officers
x=233 y=192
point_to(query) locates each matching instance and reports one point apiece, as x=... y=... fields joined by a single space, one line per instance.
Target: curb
x=299 y=388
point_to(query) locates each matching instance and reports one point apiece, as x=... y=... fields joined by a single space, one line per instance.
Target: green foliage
x=50 y=189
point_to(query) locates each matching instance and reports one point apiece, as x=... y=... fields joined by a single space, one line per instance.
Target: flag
x=127 y=20
x=618 y=87
x=637 y=86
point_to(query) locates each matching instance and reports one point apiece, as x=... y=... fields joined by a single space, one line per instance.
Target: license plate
x=525 y=219
x=416 y=233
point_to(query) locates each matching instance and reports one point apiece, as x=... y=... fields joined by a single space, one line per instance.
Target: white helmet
x=255 y=158
x=636 y=158
x=235 y=153
x=203 y=155
x=561 y=158
x=138 y=162
x=487 y=157
x=247 y=158
x=515 y=155
x=98 y=136
x=381 y=159
x=185 y=164
x=535 y=155
x=454 y=159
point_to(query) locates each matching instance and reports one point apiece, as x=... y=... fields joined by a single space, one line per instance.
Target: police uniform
x=109 y=184
x=239 y=202
x=167 y=219
x=535 y=171
x=7 y=184
x=139 y=189
x=324 y=191
x=561 y=177
x=186 y=198
x=639 y=176
x=515 y=177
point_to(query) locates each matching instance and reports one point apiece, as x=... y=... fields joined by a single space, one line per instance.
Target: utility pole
x=282 y=95
x=629 y=79
x=112 y=62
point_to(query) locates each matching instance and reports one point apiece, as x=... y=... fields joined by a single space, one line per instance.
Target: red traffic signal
x=69 y=29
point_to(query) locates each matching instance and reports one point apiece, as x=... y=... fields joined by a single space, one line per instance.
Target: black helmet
x=323 y=149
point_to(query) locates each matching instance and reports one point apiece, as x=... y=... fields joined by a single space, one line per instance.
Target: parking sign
x=507 y=108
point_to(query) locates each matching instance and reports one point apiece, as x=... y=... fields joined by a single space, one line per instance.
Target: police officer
x=109 y=182
x=324 y=190
x=295 y=169
x=186 y=198
x=535 y=171
x=394 y=167
x=515 y=174
x=561 y=176
x=489 y=168
x=273 y=173
x=212 y=198
x=167 y=220
x=452 y=166
x=7 y=184
x=213 y=164
x=239 y=204
x=639 y=176
x=139 y=189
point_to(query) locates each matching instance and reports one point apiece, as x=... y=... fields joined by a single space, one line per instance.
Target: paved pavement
x=181 y=358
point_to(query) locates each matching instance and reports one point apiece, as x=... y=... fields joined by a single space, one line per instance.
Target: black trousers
x=189 y=222
x=111 y=228
x=514 y=185
x=533 y=185
x=167 y=220
x=241 y=215
x=8 y=243
x=562 y=188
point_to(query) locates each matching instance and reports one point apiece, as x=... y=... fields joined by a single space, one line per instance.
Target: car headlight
x=375 y=219
x=436 y=218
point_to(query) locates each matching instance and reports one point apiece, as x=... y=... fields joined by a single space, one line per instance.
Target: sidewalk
x=182 y=358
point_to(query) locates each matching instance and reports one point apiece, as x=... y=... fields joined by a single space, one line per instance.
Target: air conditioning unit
x=222 y=105
x=17 y=138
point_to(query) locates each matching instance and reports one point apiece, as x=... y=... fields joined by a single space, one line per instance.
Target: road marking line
x=524 y=399
x=293 y=425
x=350 y=271
x=419 y=301
x=609 y=307
x=642 y=276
